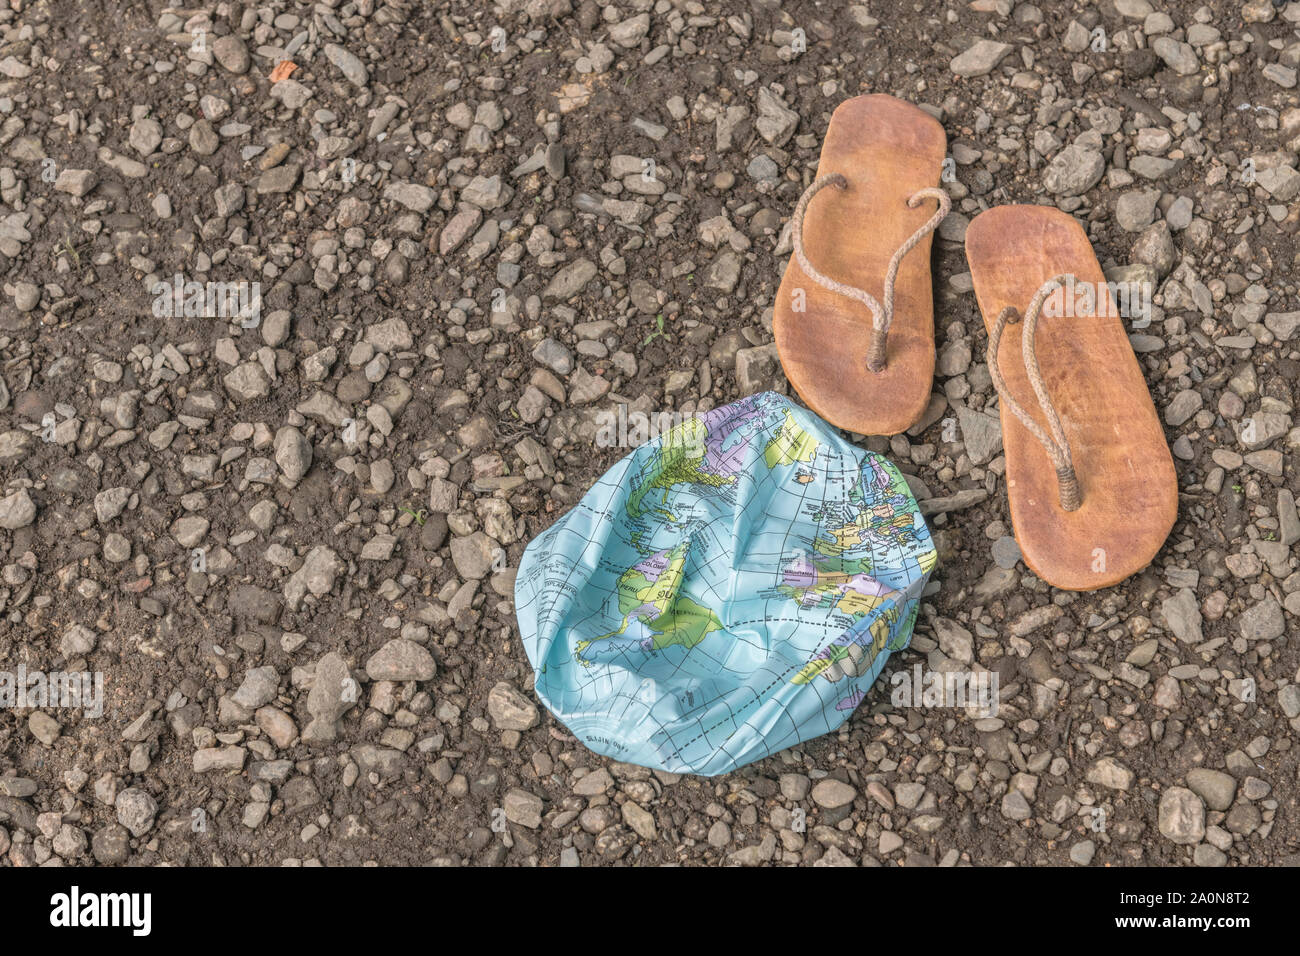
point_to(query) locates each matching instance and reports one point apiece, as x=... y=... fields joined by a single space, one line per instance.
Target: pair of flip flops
x=1091 y=482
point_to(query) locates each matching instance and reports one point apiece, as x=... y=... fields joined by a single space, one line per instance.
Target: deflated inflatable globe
x=725 y=591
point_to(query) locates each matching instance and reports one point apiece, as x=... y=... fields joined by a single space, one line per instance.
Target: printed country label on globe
x=725 y=591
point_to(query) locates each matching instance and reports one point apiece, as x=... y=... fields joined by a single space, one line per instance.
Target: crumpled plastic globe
x=729 y=589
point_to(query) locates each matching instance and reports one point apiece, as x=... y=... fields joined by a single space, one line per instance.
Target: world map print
x=727 y=590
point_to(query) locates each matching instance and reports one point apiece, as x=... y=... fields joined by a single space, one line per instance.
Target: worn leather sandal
x=1090 y=479
x=854 y=316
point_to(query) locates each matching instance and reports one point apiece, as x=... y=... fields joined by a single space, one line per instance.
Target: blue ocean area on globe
x=727 y=590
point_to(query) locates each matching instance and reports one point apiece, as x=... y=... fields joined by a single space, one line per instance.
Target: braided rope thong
x=1056 y=445
x=881 y=315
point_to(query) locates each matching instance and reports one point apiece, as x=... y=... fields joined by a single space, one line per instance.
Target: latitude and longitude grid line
x=779 y=676
x=870 y=543
x=773 y=746
x=757 y=697
x=573 y=566
x=705 y=526
x=596 y=517
x=706 y=493
x=692 y=556
x=703 y=491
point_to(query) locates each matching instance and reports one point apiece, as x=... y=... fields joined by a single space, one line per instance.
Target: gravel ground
x=286 y=537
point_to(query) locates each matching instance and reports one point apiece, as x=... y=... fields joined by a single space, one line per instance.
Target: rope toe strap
x=881 y=316
x=1058 y=449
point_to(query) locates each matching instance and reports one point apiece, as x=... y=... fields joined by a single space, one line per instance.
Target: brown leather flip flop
x=854 y=317
x=1090 y=480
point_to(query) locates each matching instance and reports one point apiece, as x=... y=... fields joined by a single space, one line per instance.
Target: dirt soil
x=288 y=545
